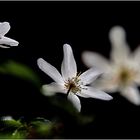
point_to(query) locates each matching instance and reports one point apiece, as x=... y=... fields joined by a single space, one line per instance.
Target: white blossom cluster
x=121 y=73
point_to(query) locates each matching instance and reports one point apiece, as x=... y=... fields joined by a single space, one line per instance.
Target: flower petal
x=4 y=28
x=132 y=94
x=8 y=41
x=51 y=89
x=120 y=49
x=137 y=78
x=2 y=46
x=6 y=118
x=93 y=59
x=50 y=70
x=89 y=76
x=90 y=92
x=117 y=35
x=68 y=68
x=75 y=101
x=136 y=54
x=105 y=84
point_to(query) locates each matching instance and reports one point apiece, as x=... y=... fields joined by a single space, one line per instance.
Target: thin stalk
x=69 y=90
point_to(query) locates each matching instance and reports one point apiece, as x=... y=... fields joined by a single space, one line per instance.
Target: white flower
x=4 y=28
x=70 y=82
x=6 y=118
x=122 y=72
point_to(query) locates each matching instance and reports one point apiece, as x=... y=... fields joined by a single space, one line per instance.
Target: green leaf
x=13 y=123
x=12 y=132
x=41 y=119
x=8 y=121
x=20 y=70
x=42 y=125
x=19 y=133
x=6 y=136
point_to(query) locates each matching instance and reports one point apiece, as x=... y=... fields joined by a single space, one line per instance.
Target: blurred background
x=41 y=29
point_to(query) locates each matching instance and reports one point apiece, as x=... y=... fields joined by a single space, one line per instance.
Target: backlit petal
x=68 y=68
x=91 y=92
x=131 y=94
x=50 y=70
x=120 y=49
x=6 y=47
x=105 y=84
x=117 y=35
x=92 y=59
x=89 y=76
x=136 y=55
x=8 y=41
x=75 y=101
x=52 y=88
x=4 y=28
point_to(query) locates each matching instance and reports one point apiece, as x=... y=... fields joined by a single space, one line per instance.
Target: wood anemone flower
x=122 y=72
x=4 y=41
x=71 y=83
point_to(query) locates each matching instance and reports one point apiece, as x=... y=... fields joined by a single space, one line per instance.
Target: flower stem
x=69 y=90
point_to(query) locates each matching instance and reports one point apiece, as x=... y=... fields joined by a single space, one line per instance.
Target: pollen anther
x=73 y=84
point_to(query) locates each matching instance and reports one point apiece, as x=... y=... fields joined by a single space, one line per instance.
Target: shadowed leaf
x=20 y=70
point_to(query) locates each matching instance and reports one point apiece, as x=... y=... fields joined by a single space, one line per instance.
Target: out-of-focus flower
x=70 y=82
x=4 y=28
x=5 y=118
x=122 y=72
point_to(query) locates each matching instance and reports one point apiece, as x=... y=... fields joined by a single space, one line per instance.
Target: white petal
x=90 y=92
x=8 y=41
x=92 y=59
x=120 y=49
x=6 y=118
x=137 y=78
x=136 y=54
x=132 y=94
x=117 y=35
x=68 y=68
x=4 y=28
x=75 y=101
x=121 y=54
x=6 y=47
x=50 y=70
x=105 y=84
x=51 y=89
x=89 y=76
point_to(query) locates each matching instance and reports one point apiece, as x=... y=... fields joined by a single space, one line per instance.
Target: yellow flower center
x=73 y=84
x=126 y=76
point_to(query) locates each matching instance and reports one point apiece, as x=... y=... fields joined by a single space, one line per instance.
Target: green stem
x=69 y=91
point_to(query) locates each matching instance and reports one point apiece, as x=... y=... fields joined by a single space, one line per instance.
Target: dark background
x=41 y=29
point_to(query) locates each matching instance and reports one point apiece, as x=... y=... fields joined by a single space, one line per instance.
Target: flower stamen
x=73 y=84
x=126 y=76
